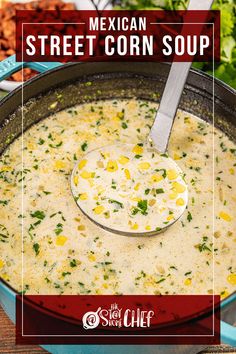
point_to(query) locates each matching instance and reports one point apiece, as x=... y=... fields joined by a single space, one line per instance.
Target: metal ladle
x=159 y=134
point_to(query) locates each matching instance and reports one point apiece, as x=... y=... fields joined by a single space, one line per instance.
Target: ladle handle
x=161 y=129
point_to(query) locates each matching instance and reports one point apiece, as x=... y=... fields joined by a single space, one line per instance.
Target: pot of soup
x=75 y=108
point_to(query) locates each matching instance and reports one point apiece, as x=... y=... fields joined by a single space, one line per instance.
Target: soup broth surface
x=65 y=253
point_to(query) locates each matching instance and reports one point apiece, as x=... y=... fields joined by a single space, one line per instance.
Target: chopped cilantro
x=56 y=145
x=41 y=141
x=36 y=248
x=4 y=202
x=164 y=174
x=59 y=229
x=142 y=206
x=159 y=190
x=189 y=216
x=84 y=146
x=73 y=263
x=38 y=214
x=65 y=273
x=113 y=201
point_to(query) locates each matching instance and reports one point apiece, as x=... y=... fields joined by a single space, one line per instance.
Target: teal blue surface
x=9 y=66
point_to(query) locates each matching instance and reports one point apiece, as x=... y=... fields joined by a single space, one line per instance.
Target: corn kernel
x=87 y=175
x=170 y=217
x=99 y=209
x=1 y=263
x=180 y=201
x=100 y=164
x=173 y=195
x=177 y=157
x=152 y=202
x=224 y=294
x=61 y=240
x=156 y=178
x=31 y=146
x=81 y=228
x=91 y=182
x=59 y=164
x=135 y=199
x=188 y=281
x=76 y=180
x=123 y=160
x=137 y=186
x=225 y=216
x=91 y=257
x=178 y=187
x=162 y=209
x=105 y=286
x=232 y=279
x=144 y=165
x=148 y=284
x=172 y=174
x=5 y=168
x=137 y=150
x=100 y=189
x=82 y=164
x=120 y=115
x=112 y=166
x=148 y=227
x=83 y=196
x=105 y=155
x=127 y=174
x=231 y=171
x=5 y=276
x=116 y=118
x=134 y=226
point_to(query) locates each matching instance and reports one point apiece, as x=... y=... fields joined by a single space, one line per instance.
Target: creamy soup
x=66 y=253
x=130 y=188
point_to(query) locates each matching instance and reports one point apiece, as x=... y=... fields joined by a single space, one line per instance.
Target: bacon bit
x=8 y=28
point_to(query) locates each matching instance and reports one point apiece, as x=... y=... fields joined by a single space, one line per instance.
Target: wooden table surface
x=7 y=339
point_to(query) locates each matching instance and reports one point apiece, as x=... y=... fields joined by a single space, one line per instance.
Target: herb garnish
x=84 y=146
x=189 y=216
x=4 y=234
x=142 y=206
x=36 y=248
x=113 y=201
x=164 y=174
x=38 y=214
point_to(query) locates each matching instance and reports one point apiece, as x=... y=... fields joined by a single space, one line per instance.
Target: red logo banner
x=118 y=319
x=118 y=35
